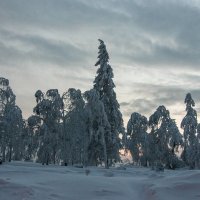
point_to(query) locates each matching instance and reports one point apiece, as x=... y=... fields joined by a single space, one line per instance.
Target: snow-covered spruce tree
x=165 y=138
x=137 y=137
x=14 y=124
x=32 y=137
x=49 y=108
x=7 y=100
x=189 y=125
x=73 y=127
x=4 y=85
x=11 y=123
x=175 y=141
x=198 y=146
x=151 y=146
x=104 y=84
x=97 y=129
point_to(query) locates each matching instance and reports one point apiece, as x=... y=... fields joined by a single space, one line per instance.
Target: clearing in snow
x=32 y=181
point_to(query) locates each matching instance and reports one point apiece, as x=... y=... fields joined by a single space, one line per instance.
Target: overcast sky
x=154 y=48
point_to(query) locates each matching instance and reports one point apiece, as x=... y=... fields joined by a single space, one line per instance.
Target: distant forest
x=87 y=128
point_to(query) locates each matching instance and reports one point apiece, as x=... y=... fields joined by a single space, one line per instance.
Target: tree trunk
x=105 y=152
x=54 y=157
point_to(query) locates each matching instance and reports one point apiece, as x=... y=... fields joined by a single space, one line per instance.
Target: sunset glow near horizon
x=154 y=49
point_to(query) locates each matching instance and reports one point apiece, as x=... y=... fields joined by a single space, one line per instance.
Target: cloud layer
x=154 y=49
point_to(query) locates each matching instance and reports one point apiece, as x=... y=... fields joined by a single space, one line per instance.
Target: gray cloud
x=148 y=33
x=167 y=34
x=153 y=46
x=142 y=106
x=25 y=48
x=172 y=97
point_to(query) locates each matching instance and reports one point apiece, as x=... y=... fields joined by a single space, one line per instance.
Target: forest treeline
x=88 y=129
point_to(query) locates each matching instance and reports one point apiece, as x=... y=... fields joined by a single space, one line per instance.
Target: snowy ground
x=24 y=181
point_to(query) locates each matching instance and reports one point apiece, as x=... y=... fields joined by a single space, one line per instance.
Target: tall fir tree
x=137 y=137
x=49 y=108
x=73 y=127
x=198 y=146
x=104 y=84
x=32 y=137
x=11 y=122
x=98 y=130
x=189 y=125
x=166 y=137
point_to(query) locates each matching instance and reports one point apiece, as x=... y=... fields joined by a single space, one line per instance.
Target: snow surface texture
x=24 y=181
